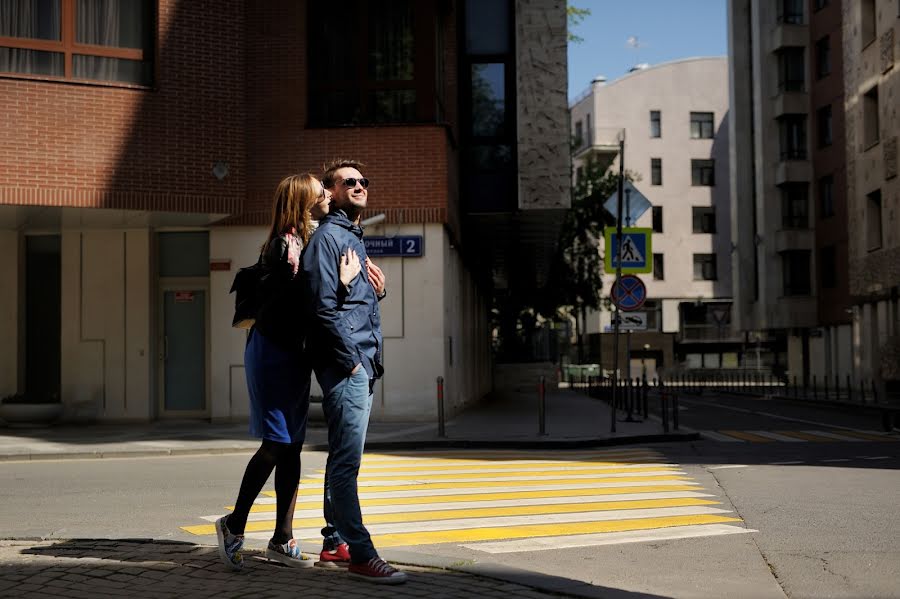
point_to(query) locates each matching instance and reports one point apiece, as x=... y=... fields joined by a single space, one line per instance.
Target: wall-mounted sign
x=406 y=246
x=184 y=297
x=219 y=265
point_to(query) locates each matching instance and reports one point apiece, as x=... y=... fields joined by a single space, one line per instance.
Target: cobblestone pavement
x=90 y=568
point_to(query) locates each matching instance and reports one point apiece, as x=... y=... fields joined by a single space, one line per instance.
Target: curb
x=372 y=446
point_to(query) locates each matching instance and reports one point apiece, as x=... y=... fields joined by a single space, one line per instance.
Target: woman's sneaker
x=378 y=571
x=339 y=557
x=230 y=545
x=288 y=554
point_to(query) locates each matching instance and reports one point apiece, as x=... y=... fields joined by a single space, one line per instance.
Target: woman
x=277 y=377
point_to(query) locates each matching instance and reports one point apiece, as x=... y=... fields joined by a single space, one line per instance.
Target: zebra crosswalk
x=797 y=436
x=503 y=501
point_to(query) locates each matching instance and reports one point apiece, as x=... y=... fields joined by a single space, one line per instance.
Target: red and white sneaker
x=339 y=557
x=378 y=571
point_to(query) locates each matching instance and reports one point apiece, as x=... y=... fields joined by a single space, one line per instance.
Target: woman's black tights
x=284 y=458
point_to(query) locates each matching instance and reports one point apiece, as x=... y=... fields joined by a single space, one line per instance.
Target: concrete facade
x=871 y=50
x=674 y=90
x=789 y=184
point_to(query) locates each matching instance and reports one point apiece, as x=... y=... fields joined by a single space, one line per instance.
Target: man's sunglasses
x=352 y=181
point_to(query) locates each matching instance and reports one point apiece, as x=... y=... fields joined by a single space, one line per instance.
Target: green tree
x=576 y=16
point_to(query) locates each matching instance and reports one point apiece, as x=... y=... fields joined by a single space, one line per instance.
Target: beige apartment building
x=872 y=97
x=675 y=119
x=813 y=195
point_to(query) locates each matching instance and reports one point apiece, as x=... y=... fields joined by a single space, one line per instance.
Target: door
x=184 y=352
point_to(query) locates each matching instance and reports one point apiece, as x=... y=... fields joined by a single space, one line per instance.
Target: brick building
x=140 y=144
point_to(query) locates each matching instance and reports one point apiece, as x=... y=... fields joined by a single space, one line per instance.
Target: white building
x=674 y=116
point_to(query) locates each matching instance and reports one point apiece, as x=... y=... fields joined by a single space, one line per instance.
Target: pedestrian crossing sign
x=636 y=251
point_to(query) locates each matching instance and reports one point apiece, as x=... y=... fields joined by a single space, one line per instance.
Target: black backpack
x=247 y=286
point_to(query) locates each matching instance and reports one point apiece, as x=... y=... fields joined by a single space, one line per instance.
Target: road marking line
x=544 y=467
x=769 y=415
x=609 y=538
x=814 y=437
x=551 y=523
x=870 y=436
x=539 y=530
x=879 y=457
x=490 y=477
x=779 y=437
x=785 y=463
x=713 y=435
x=837 y=460
x=388 y=507
x=585 y=461
x=834 y=436
x=727 y=467
x=511 y=455
x=748 y=436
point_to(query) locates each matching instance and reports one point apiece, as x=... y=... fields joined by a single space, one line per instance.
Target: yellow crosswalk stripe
x=270 y=507
x=744 y=435
x=431 y=516
x=868 y=436
x=539 y=474
x=541 y=530
x=604 y=466
x=807 y=436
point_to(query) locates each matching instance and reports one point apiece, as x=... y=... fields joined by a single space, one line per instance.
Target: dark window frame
x=708 y=267
x=657 y=213
x=824 y=126
x=823 y=57
x=705 y=125
x=874 y=221
x=792 y=69
x=794 y=206
x=790 y=12
x=703 y=172
x=659 y=267
x=363 y=85
x=656 y=177
x=796 y=279
x=826 y=196
x=703 y=220
x=655 y=124
x=871 y=118
x=793 y=137
x=69 y=47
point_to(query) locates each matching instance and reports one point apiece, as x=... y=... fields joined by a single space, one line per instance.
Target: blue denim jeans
x=347 y=406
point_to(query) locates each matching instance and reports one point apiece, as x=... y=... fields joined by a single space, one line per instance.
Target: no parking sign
x=628 y=293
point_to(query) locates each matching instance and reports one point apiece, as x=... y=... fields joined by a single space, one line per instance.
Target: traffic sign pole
x=621 y=194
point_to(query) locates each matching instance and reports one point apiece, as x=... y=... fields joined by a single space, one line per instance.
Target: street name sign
x=628 y=293
x=404 y=246
x=636 y=250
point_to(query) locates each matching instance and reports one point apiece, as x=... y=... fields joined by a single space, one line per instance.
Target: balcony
x=793 y=168
x=790 y=102
x=787 y=35
x=600 y=141
x=794 y=239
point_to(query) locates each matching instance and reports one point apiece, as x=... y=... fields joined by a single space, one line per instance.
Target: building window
x=823 y=117
x=701 y=125
x=89 y=40
x=704 y=219
x=870 y=118
x=867 y=22
x=703 y=172
x=826 y=196
x=873 y=220
x=791 y=70
x=823 y=57
x=579 y=134
x=792 y=129
x=659 y=272
x=579 y=175
x=795 y=276
x=589 y=140
x=656 y=171
x=705 y=267
x=655 y=123
x=794 y=206
x=657 y=219
x=388 y=75
x=828 y=267
x=790 y=12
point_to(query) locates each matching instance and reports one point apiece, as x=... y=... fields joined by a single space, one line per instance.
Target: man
x=346 y=335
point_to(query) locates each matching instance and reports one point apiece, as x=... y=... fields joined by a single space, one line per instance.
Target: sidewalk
x=91 y=568
x=508 y=420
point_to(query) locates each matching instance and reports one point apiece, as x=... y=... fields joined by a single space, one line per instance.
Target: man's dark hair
x=334 y=165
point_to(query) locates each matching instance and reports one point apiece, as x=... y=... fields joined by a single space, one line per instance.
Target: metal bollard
x=440 y=406
x=825 y=378
x=675 y=411
x=796 y=389
x=629 y=401
x=645 y=391
x=815 y=389
x=862 y=390
x=542 y=408
x=664 y=408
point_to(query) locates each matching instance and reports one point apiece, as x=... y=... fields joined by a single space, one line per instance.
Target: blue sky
x=665 y=30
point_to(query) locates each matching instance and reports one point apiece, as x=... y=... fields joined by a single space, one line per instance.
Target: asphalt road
x=825 y=514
